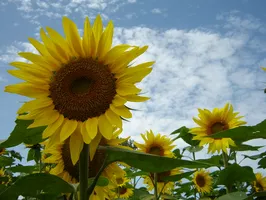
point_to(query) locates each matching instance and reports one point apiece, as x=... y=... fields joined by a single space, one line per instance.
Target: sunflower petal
x=105 y=127
x=51 y=128
x=105 y=42
x=92 y=127
x=27 y=76
x=94 y=145
x=86 y=42
x=136 y=98
x=35 y=104
x=68 y=127
x=121 y=111
x=115 y=53
x=124 y=89
x=113 y=118
x=32 y=68
x=97 y=29
x=46 y=118
x=76 y=146
x=84 y=133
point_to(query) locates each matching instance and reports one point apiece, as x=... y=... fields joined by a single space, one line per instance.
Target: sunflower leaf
x=149 y=162
x=235 y=173
x=6 y=161
x=23 y=169
x=21 y=134
x=262 y=163
x=177 y=177
x=243 y=133
x=32 y=184
x=245 y=147
x=233 y=196
x=185 y=135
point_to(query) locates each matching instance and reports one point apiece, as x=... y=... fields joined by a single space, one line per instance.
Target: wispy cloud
x=156 y=11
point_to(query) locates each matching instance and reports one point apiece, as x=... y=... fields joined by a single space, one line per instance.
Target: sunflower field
x=72 y=127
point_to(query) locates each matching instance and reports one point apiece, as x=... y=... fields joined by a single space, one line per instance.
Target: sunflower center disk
x=155 y=150
x=119 y=181
x=73 y=170
x=200 y=181
x=161 y=175
x=122 y=190
x=218 y=126
x=82 y=89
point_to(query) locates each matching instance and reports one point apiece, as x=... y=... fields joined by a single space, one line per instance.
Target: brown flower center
x=259 y=186
x=73 y=170
x=217 y=127
x=200 y=181
x=161 y=175
x=156 y=150
x=119 y=181
x=122 y=190
x=82 y=89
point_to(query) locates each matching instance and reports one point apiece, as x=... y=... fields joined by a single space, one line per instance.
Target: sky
x=207 y=53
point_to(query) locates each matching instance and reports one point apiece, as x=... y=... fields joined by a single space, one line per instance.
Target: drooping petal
x=113 y=118
x=121 y=111
x=94 y=145
x=51 y=128
x=68 y=127
x=76 y=146
x=105 y=127
x=85 y=133
x=92 y=127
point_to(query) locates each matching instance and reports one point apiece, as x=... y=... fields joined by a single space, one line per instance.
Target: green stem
x=84 y=172
x=155 y=186
x=194 y=158
x=225 y=159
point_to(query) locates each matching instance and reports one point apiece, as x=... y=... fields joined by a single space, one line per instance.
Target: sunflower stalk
x=84 y=172
x=225 y=159
x=155 y=186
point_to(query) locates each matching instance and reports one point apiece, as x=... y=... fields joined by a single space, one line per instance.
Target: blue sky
x=207 y=53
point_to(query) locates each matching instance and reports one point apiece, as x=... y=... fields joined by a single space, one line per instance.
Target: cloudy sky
x=207 y=53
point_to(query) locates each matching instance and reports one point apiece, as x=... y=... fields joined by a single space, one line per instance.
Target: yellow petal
x=72 y=36
x=86 y=42
x=92 y=127
x=29 y=90
x=52 y=128
x=105 y=42
x=121 y=111
x=46 y=118
x=68 y=128
x=37 y=59
x=105 y=127
x=59 y=168
x=119 y=101
x=94 y=145
x=32 y=68
x=113 y=118
x=124 y=89
x=136 y=77
x=84 y=133
x=34 y=104
x=97 y=29
x=54 y=139
x=135 y=98
x=76 y=146
x=114 y=53
x=27 y=76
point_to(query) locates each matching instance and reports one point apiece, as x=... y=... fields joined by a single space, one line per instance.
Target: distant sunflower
x=264 y=68
x=156 y=144
x=219 y=119
x=122 y=192
x=6 y=178
x=260 y=183
x=163 y=187
x=202 y=181
x=119 y=180
x=79 y=84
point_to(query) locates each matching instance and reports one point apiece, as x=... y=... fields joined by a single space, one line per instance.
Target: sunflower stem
x=225 y=159
x=155 y=186
x=84 y=172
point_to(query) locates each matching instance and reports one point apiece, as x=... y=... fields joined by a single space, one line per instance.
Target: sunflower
x=260 y=183
x=79 y=85
x=264 y=68
x=59 y=155
x=122 y=192
x=119 y=180
x=219 y=119
x=163 y=187
x=202 y=181
x=157 y=145
x=2 y=151
x=5 y=178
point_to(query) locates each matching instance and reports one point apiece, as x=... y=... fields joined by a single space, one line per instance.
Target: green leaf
x=214 y=160
x=243 y=133
x=21 y=134
x=102 y=181
x=245 y=147
x=177 y=177
x=6 y=161
x=233 y=196
x=256 y=194
x=139 y=173
x=193 y=149
x=16 y=155
x=32 y=184
x=255 y=157
x=149 y=162
x=235 y=173
x=139 y=193
x=185 y=135
x=22 y=169
x=177 y=153
x=31 y=155
x=262 y=163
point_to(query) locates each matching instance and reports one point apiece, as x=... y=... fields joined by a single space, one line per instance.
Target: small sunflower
x=156 y=144
x=6 y=178
x=79 y=85
x=264 y=68
x=2 y=151
x=122 y=192
x=202 y=181
x=163 y=187
x=260 y=183
x=219 y=119
x=119 y=180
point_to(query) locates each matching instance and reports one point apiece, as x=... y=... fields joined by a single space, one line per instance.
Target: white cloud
x=156 y=11
x=132 y=1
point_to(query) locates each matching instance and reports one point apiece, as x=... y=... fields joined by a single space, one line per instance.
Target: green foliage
x=233 y=196
x=35 y=184
x=6 y=161
x=185 y=135
x=34 y=154
x=177 y=177
x=102 y=181
x=21 y=134
x=22 y=169
x=235 y=173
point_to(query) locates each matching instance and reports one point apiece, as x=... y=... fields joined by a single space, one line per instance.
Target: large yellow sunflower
x=260 y=183
x=213 y=122
x=163 y=187
x=79 y=84
x=202 y=181
x=156 y=144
